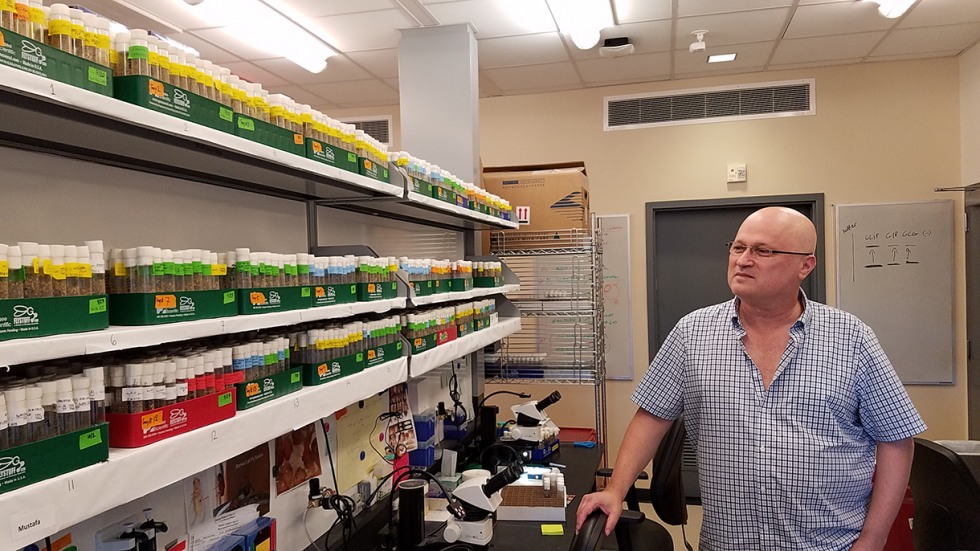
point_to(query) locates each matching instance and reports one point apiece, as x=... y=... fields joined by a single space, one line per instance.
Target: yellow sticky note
x=552 y=530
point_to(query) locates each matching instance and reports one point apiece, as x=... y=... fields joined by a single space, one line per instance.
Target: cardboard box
x=553 y=197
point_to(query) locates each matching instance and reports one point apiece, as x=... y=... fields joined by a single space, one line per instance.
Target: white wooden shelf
x=129 y=473
x=420 y=364
x=115 y=338
x=476 y=292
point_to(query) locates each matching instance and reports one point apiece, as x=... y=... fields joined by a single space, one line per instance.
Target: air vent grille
x=379 y=129
x=738 y=103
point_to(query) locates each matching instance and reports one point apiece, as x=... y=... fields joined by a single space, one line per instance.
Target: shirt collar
x=802 y=322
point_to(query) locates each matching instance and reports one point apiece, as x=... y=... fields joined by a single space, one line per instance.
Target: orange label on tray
x=251 y=389
x=371 y=287
x=321 y=370
x=153 y=419
x=256 y=298
x=165 y=301
x=298 y=139
x=156 y=89
x=371 y=354
x=418 y=343
x=317 y=148
x=321 y=292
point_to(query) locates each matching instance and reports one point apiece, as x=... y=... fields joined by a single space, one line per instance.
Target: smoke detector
x=698 y=45
x=616 y=47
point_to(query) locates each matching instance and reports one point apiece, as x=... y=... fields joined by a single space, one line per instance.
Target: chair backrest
x=666 y=484
x=946 y=498
x=591 y=534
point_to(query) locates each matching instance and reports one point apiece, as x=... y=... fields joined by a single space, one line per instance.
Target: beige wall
x=882 y=133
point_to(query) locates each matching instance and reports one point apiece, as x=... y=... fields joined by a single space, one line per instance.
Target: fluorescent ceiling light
x=892 y=8
x=721 y=58
x=582 y=20
x=267 y=29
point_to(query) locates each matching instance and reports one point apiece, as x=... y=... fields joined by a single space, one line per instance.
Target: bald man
x=788 y=402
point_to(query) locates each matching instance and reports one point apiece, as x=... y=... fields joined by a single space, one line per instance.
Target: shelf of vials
x=420 y=364
x=68 y=499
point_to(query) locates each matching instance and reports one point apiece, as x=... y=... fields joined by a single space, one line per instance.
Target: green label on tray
x=224 y=399
x=98 y=76
x=246 y=124
x=226 y=114
x=295 y=377
x=305 y=292
x=88 y=439
x=97 y=305
x=229 y=297
x=352 y=158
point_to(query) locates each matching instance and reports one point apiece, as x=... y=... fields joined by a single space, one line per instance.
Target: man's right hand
x=607 y=501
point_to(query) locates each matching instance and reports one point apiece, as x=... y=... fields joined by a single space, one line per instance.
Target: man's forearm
x=894 y=462
x=643 y=436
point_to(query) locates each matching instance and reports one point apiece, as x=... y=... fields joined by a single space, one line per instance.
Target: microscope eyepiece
x=551 y=399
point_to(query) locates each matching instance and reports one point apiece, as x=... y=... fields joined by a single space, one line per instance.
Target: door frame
x=815 y=201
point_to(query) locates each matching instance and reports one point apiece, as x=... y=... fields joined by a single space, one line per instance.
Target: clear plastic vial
x=59 y=28
x=35 y=415
x=97 y=256
x=65 y=406
x=81 y=394
x=131 y=394
x=18 y=429
x=97 y=405
x=4 y=424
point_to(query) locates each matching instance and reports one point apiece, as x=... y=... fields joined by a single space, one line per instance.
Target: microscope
x=533 y=426
x=480 y=497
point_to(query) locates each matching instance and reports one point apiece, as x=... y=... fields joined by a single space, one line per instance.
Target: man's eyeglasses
x=737 y=249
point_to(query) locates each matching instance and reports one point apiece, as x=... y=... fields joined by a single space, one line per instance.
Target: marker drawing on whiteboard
x=872 y=249
x=908 y=255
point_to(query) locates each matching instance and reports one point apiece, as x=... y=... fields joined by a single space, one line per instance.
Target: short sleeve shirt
x=788 y=467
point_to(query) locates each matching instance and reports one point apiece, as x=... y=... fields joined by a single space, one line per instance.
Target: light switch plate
x=736 y=173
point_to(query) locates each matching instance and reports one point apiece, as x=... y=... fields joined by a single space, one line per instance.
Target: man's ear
x=808 y=265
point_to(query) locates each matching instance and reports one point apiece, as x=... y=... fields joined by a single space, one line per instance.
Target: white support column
x=440 y=92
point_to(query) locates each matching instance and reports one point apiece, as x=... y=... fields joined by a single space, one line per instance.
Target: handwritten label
x=150 y=420
x=224 y=399
x=295 y=377
x=98 y=76
x=305 y=292
x=317 y=147
x=88 y=439
x=226 y=114
x=246 y=124
x=165 y=301
x=229 y=297
x=256 y=298
x=298 y=139
x=97 y=305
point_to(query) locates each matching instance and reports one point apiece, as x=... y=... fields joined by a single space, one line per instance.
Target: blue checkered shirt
x=789 y=467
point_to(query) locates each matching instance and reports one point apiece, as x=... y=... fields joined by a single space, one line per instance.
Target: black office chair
x=946 y=498
x=634 y=531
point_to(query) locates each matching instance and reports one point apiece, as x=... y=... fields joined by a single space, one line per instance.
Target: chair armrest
x=606 y=473
x=631 y=517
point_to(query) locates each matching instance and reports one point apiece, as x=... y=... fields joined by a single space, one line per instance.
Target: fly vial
x=65 y=406
x=80 y=389
x=97 y=405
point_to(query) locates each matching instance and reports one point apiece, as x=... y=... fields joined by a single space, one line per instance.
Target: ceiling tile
x=179 y=14
x=923 y=55
x=632 y=11
x=496 y=18
x=929 y=39
x=376 y=30
x=941 y=12
x=825 y=48
x=631 y=67
x=734 y=28
x=304 y=97
x=750 y=57
x=208 y=50
x=534 y=77
x=234 y=43
x=355 y=92
x=528 y=49
x=837 y=18
x=812 y=64
x=319 y=8
x=687 y=8
x=380 y=63
x=338 y=68
x=252 y=73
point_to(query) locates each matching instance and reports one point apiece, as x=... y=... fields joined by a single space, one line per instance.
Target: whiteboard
x=895 y=272
x=615 y=239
